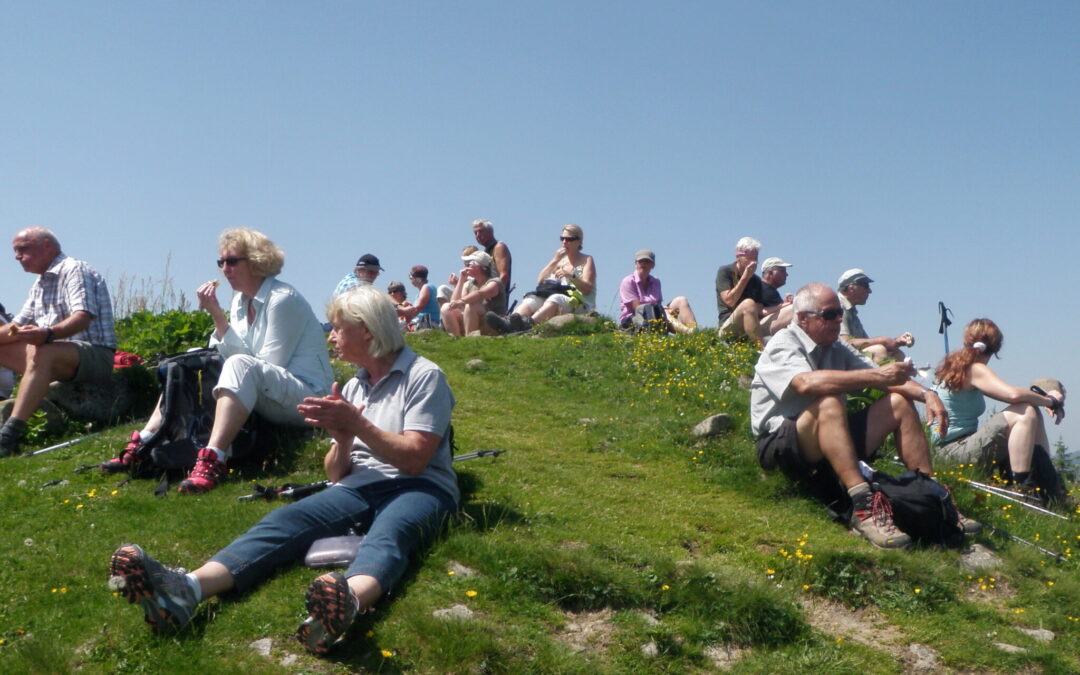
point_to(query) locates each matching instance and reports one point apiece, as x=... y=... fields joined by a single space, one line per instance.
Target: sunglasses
x=231 y=262
x=569 y=238
x=829 y=314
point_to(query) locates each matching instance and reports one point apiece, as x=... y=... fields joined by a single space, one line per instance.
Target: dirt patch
x=590 y=632
x=867 y=627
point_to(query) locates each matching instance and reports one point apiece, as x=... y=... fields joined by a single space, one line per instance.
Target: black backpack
x=187 y=407
x=922 y=508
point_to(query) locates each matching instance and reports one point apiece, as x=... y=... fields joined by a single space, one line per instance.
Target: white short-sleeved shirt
x=789 y=353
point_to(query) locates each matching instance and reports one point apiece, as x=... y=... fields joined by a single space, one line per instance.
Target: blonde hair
x=575 y=231
x=371 y=307
x=265 y=256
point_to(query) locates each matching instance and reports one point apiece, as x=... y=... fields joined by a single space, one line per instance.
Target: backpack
x=649 y=318
x=187 y=415
x=921 y=507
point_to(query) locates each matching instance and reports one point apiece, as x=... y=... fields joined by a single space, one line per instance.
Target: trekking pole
x=943 y=327
x=1013 y=537
x=994 y=492
x=479 y=453
x=65 y=444
x=290 y=491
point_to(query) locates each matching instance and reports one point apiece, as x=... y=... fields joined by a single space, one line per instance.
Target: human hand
x=935 y=412
x=1058 y=411
x=452 y=279
x=896 y=373
x=749 y=270
x=207 y=295
x=330 y=412
x=906 y=339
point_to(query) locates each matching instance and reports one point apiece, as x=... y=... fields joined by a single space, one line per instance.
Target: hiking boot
x=499 y=324
x=10 y=434
x=331 y=607
x=164 y=593
x=205 y=475
x=9 y=445
x=872 y=518
x=968 y=525
x=520 y=324
x=127 y=458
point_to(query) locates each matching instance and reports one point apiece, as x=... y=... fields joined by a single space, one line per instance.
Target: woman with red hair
x=1015 y=438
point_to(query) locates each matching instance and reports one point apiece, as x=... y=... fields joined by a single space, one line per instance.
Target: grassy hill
x=605 y=539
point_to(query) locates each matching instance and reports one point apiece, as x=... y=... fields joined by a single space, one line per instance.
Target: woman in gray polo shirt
x=391 y=467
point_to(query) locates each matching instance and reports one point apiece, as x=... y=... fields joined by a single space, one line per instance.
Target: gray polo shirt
x=789 y=353
x=413 y=396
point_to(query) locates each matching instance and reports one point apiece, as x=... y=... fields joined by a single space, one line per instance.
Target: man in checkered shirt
x=64 y=331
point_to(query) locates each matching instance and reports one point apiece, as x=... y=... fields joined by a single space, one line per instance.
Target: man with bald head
x=798 y=410
x=63 y=332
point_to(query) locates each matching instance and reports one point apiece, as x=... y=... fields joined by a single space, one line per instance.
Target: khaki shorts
x=989 y=443
x=95 y=362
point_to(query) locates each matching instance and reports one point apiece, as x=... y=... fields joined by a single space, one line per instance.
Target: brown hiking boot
x=872 y=518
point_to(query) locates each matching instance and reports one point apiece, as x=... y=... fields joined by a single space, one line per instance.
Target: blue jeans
x=397 y=517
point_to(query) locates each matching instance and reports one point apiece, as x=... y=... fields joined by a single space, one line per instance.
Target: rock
x=745 y=381
x=586 y=420
x=455 y=613
x=475 y=364
x=712 y=426
x=921 y=659
x=104 y=402
x=460 y=570
x=1040 y=634
x=1010 y=649
x=289 y=660
x=54 y=418
x=564 y=320
x=262 y=647
x=649 y=619
x=978 y=557
x=724 y=657
x=649 y=650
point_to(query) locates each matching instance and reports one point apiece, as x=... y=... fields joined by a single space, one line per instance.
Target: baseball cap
x=774 y=262
x=368 y=260
x=852 y=276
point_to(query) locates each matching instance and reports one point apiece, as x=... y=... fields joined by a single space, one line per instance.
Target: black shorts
x=780 y=449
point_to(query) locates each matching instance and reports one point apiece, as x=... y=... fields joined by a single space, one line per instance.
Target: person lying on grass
x=391 y=467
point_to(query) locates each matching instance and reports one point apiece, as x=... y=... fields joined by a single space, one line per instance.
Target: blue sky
x=935 y=145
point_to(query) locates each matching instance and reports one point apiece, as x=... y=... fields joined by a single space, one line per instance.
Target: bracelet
x=49 y=335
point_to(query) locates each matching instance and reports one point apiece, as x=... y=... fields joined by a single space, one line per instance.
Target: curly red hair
x=953 y=369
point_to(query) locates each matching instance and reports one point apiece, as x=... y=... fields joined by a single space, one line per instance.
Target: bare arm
x=828 y=382
x=409 y=452
x=37 y=335
x=587 y=281
x=421 y=302
x=986 y=381
x=501 y=254
x=731 y=296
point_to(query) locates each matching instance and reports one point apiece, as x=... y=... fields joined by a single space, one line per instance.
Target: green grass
x=603 y=512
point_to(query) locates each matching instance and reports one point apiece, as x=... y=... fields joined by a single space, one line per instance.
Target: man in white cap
x=776 y=310
x=853 y=286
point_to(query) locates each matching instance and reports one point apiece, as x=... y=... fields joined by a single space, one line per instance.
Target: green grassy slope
x=605 y=539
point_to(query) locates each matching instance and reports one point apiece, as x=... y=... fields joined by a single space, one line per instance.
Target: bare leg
x=214 y=579
x=366 y=589
x=823 y=433
x=783 y=318
x=453 y=322
x=229 y=416
x=680 y=308
x=1025 y=430
x=549 y=310
x=44 y=364
x=894 y=413
x=747 y=317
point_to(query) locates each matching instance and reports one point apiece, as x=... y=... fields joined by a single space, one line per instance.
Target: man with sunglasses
x=64 y=331
x=798 y=410
x=854 y=289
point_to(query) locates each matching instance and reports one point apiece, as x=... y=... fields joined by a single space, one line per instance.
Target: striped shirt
x=70 y=286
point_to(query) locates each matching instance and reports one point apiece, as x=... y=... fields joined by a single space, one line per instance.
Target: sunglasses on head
x=231 y=262
x=829 y=314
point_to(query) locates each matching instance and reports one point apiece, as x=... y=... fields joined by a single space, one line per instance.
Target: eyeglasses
x=829 y=314
x=231 y=262
x=569 y=238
